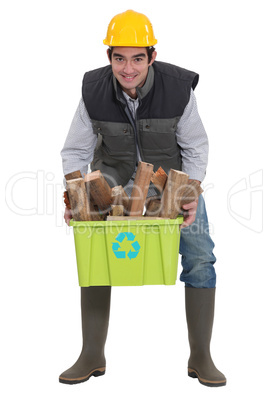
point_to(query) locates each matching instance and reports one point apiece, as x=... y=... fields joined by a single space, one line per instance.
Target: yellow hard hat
x=130 y=29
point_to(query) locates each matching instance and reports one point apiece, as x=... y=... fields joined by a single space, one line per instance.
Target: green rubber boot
x=200 y=314
x=95 y=308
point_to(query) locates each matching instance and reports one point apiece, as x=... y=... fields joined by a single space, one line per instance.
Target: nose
x=128 y=67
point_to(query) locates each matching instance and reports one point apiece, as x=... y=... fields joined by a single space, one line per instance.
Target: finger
x=67 y=220
x=188 y=221
x=189 y=218
x=67 y=216
x=191 y=205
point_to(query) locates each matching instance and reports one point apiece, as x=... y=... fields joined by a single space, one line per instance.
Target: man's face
x=130 y=67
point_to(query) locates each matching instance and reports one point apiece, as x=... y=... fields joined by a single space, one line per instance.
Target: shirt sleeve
x=79 y=146
x=193 y=141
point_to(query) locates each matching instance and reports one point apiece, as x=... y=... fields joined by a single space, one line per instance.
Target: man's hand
x=190 y=212
x=67 y=215
x=190 y=209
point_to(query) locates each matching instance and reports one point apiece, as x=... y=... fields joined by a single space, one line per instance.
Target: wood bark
x=132 y=218
x=140 y=188
x=93 y=199
x=78 y=199
x=153 y=207
x=117 y=210
x=192 y=192
x=73 y=175
x=172 y=194
x=159 y=179
x=120 y=197
x=98 y=190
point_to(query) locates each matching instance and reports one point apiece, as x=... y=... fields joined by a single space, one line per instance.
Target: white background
x=46 y=48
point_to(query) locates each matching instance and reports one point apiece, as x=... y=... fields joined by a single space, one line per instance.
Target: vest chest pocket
x=158 y=133
x=115 y=138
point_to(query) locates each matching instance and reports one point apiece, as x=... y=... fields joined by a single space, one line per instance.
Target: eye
x=119 y=59
x=138 y=59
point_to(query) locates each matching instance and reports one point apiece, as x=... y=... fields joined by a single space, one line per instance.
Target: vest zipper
x=137 y=131
x=134 y=124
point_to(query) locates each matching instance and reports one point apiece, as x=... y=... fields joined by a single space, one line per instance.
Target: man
x=137 y=108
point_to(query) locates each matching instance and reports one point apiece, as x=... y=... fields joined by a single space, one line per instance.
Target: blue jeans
x=196 y=249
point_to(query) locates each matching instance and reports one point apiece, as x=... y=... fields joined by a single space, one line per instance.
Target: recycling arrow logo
x=126 y=239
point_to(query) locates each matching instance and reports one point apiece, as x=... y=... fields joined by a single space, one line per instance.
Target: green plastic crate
x=127 y=252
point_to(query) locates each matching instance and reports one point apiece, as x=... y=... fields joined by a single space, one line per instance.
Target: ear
x=108 y=56
x=154 y=54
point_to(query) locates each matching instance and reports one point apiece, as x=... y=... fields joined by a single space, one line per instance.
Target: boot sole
x=194 y=374
x=95 y=373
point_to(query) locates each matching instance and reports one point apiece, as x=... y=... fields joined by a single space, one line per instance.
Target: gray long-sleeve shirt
x=78 y=150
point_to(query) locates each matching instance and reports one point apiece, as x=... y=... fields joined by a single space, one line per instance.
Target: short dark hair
x=150 y=51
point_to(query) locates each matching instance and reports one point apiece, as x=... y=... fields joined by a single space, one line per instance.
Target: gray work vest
x=162 y=101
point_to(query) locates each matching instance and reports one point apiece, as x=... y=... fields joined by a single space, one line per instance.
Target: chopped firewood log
x=96 y=215
x=132 y=218
x=159 y=179
x=98 y=190
x=93 y=199
x=153 y=206
x=117 y=210
x=66 y=200
x=78 y=199
x=120 y=197
x=192 y=192
x=140 y=188
x=73 y=175
x=172 y=194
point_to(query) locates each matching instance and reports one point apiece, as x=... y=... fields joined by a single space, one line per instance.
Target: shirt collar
x=143 y=91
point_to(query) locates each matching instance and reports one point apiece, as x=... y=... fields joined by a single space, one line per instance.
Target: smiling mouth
x=128 y=77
